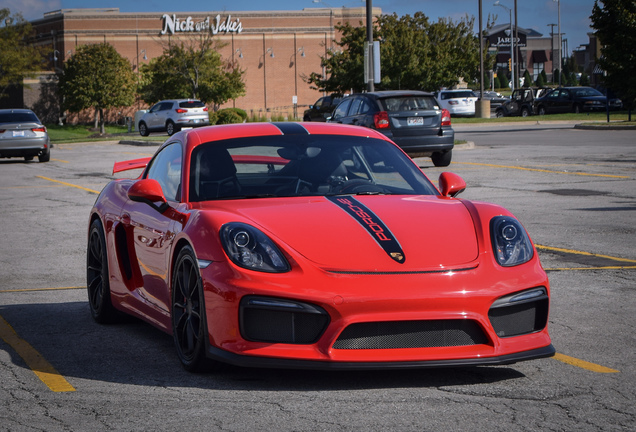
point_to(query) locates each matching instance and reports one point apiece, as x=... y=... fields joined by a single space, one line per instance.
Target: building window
x=536 y=70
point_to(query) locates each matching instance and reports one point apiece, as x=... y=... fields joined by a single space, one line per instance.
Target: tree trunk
x=102 y=129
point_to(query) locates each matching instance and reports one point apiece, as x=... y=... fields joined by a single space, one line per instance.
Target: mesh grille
x=411 y=334
x=519 y=319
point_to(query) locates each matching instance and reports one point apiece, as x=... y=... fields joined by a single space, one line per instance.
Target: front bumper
x=281 y=363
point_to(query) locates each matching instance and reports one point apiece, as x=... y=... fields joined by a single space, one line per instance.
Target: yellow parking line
x=38 y=364
x=577 y=252
x=542 y=170
x=591 y=268
x=584 y=364
x=42 y=289
x=60 y=160
x=69 y=184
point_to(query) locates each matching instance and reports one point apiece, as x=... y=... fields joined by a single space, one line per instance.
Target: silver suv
x=172 y=115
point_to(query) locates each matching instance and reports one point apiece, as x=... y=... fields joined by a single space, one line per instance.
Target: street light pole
x=512 y=45
x=370 y=86
x=560 y=43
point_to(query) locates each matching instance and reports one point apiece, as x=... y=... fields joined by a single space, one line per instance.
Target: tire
x=45 y=157
x=143 y=129
x=188 y=312
x=499 y=113
x=171 y=128
x=442 y=159
x=525 y=112
x=541 y=111
x=97 y=276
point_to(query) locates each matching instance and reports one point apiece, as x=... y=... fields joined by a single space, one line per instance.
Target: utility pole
x=552 y=47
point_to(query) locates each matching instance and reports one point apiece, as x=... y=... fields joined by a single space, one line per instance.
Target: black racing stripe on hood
x=372 y=224
x=291 y=128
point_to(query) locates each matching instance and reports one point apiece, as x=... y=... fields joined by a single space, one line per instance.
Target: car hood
x=368 y=233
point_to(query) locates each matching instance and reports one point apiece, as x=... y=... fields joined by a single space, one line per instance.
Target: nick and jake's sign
x=172 y=25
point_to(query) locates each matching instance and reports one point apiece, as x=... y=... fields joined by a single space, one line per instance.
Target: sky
x=531 y=14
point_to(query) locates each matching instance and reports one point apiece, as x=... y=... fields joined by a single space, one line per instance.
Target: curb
x=604 y=127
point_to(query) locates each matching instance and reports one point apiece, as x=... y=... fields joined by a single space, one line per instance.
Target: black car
x=570 y=99
x=412 y=119
x=521 y=103
x=322 y=109
x=496 y=99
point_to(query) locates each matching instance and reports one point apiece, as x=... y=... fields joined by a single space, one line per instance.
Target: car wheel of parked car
x=171 y=128
x=442 y=159
x=541 y=110
x=188 y=312
x=525 y=112
x=143 y=129
x=499 y=113
x=97 y=282
x=45 y=157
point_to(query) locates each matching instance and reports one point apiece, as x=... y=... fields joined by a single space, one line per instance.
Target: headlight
x=248 y=247
x=510 y=241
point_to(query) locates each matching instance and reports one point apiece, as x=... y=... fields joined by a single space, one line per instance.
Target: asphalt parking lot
x=574 y=190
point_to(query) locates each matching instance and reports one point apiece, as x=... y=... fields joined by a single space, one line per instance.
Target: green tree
x=415 y=54
x=192 y=69
x=615 y=25
x=527 y=79
x=18 y=58
x=97 y=77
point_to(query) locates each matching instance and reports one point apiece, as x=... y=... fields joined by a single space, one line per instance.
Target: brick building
x=276 y=49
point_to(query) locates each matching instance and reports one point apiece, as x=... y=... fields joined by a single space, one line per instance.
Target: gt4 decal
x=373 y=224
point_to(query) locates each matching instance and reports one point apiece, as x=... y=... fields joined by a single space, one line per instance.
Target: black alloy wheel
x=171 y=129
x=97 y=278
x=525 y=112
x=143 y=129
x=188 y=312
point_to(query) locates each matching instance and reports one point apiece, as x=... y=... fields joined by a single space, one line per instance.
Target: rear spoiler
x=131 y=164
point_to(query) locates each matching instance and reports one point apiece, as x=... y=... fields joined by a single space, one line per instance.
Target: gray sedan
x=22 y=134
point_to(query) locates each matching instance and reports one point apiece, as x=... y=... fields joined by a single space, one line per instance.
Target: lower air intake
x=411 y=334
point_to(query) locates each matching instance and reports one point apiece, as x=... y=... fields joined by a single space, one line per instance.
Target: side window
x=553 y=95
x=365 y=107
x=166 y=106
x=166 y=169
x=355 y=106
x=318 y=103
x=341 y=110
x=565 y=94
x=156 y=107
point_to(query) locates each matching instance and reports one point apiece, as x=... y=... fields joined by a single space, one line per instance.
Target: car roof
x=15 y=110
x=394 y=93
x=196 y=136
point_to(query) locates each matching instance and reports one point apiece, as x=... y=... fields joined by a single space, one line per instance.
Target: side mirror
x=450 y=184
x=148 y=191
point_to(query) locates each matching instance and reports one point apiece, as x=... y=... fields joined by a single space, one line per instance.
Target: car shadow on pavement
x=133 y=352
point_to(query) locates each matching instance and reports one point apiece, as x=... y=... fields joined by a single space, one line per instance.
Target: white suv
x=457 y=102
x=172 y=115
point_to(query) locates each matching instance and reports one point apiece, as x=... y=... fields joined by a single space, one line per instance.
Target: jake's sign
x=172 y=25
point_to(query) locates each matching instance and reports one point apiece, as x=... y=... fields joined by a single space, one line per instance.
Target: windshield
x=312 y=165
x=18 y=117
x=581 y=92
x=409 y=103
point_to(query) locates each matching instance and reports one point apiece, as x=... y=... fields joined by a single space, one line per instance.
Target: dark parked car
x=521 y=103
x=322 y=109
x=412 y=119
x=570 y=99
x=496 y=99
x=22 y=134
